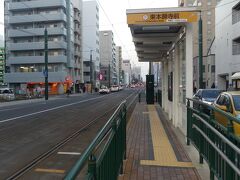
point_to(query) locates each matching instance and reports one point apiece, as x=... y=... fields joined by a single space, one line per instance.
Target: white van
x=7 y=94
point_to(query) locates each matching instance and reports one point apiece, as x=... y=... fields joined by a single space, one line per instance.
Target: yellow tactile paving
x=163 y=151
x=58 y=171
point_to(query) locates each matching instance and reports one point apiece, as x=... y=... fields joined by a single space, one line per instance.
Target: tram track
x=28 y=167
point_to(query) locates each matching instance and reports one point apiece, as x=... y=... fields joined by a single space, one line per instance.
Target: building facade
x=227 y=43
x=25 y=23
x=208 y=28
x=91 y=42
x=108 y=58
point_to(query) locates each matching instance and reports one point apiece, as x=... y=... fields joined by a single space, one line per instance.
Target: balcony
x=36 y=59
x=36 y=32
x=14 y=6
x=34 y=77
x=36 y=46
x=37 y=18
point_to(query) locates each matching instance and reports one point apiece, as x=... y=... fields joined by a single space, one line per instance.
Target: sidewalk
x=26 y=101
x=154 y=150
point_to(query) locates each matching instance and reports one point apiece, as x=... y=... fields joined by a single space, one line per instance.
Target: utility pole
x=91 y=71
x=109 y=76
x=46 y=63
x=200 y=47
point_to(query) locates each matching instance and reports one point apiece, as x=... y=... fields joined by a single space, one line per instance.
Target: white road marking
x=9 y=109
x=70 y=153
x=47 y=110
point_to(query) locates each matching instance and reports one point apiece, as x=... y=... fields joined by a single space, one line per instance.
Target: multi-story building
x=91 y=42
x=25 y=22
x=2 y=64
x=208 y=24
x=119 y=64
x=108 y=58
x=227 y=43
x=127 y=69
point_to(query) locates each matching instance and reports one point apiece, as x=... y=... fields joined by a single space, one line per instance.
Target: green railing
x=107 y=151
x=216 y=143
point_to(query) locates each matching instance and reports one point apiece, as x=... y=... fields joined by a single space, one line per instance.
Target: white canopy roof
x=236 y=75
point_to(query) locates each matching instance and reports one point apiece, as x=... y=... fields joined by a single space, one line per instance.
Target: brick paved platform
x=153 y=150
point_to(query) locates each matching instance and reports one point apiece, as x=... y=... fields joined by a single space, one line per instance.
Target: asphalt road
x=28 y=130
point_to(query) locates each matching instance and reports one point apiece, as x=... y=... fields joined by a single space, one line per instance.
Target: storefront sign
x=161 y=17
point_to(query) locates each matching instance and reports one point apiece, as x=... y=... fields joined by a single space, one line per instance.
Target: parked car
x=114 y=88
x=230 y=103
x=7 y=94
x=104 y=90
x=207 y=95
x=121 y=87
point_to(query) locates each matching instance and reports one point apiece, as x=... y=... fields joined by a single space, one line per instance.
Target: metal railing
x=217 y=144
x=107 y=151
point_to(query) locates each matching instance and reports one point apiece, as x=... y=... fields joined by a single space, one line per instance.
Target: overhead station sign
x=162 y=17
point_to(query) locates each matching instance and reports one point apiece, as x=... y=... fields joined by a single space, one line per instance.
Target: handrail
x=216 y=142
x=88 y=152
x=219 y=134
x=219 y=151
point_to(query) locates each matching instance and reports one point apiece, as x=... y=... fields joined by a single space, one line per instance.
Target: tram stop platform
x=158 y=151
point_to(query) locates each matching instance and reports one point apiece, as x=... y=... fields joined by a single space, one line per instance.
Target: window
x=213 y=68
x=236 y=46
x=203 y=68
x=236 y=13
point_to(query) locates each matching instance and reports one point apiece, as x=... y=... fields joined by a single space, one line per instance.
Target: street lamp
x=46 y=63
x=91 y=71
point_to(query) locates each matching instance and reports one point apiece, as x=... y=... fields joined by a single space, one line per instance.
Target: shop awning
x=236 y=75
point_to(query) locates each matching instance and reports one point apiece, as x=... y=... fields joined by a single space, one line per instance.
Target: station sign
x=162 y=17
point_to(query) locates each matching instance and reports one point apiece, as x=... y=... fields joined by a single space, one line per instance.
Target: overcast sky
x=115 y=12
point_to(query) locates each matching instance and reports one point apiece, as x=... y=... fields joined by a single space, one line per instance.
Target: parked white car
x=7 y=94
x=104 y=90
x=114 y=88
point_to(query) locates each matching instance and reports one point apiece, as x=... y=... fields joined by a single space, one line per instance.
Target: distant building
x=108 y=58
x=2 y=64
x=227 y=43
x=136 y=74
x=25 y=22
x=90 y=37
x=127 y=69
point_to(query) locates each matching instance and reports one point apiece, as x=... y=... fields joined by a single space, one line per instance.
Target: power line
x=112 y=25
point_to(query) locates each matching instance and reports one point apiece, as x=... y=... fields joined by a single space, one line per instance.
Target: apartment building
x=207 y=8
x=91 y=42
x=25 y=22
x=108 y=58
x=228 y=44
